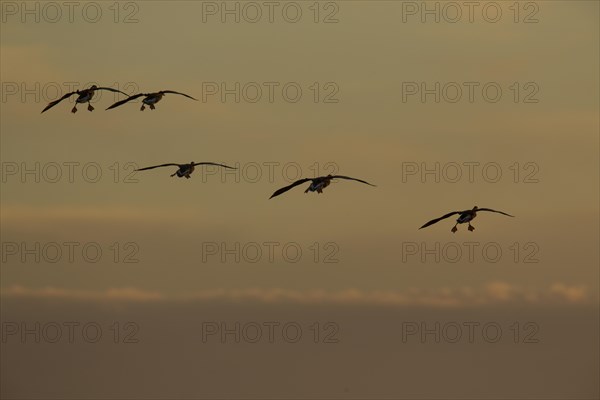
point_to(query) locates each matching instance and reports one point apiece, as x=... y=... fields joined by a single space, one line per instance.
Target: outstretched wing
x=349 y=178
x=489 y=209
x=183 y=94
x=121 y=102
x=55 y=102
x=158 y=166
x=285 y=189
x=433 y=221
x=112 y=90
x=212 y=163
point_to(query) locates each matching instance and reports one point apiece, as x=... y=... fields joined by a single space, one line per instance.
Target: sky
x=441 y=108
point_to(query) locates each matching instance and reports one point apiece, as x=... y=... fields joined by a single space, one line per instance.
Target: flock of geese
x=185 y=170
x=86 y=95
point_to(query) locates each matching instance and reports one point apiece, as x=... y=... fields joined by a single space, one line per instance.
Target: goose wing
x=349 y=178
x=174 y=92
x=433 y=221
x=158 y=166
x=121 y=102
x=112 y=90
x=55 y=102
x=285 y=189
x=212 y=163
x=489 y=209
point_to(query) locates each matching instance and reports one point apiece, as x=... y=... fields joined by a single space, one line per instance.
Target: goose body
x=464 y=217
x=150 y=99
x=83 y=96
x=153 y=98
x=316 y=184
x=184 y=170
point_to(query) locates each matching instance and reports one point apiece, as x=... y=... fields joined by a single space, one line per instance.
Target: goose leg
x=143 y=108
x=90 y=108
x=454 y=229
x=74 y=110
x=152 y=107
x=471 y=228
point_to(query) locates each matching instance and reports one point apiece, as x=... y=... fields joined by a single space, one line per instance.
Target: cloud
x=118 y=294
x=573 y=294
x=501 y=291
x=490 y=294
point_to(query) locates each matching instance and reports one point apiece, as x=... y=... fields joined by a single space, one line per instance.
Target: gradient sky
x=369 y=134
x=369 y=55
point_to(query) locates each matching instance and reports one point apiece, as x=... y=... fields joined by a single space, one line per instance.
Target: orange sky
x=86 y=239
x=369 y=133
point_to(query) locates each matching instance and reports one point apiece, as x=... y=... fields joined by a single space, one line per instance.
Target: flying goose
x=317 y=184
x=150 y=99
x=465 y=217
x=184 y=169
x=85 y=96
